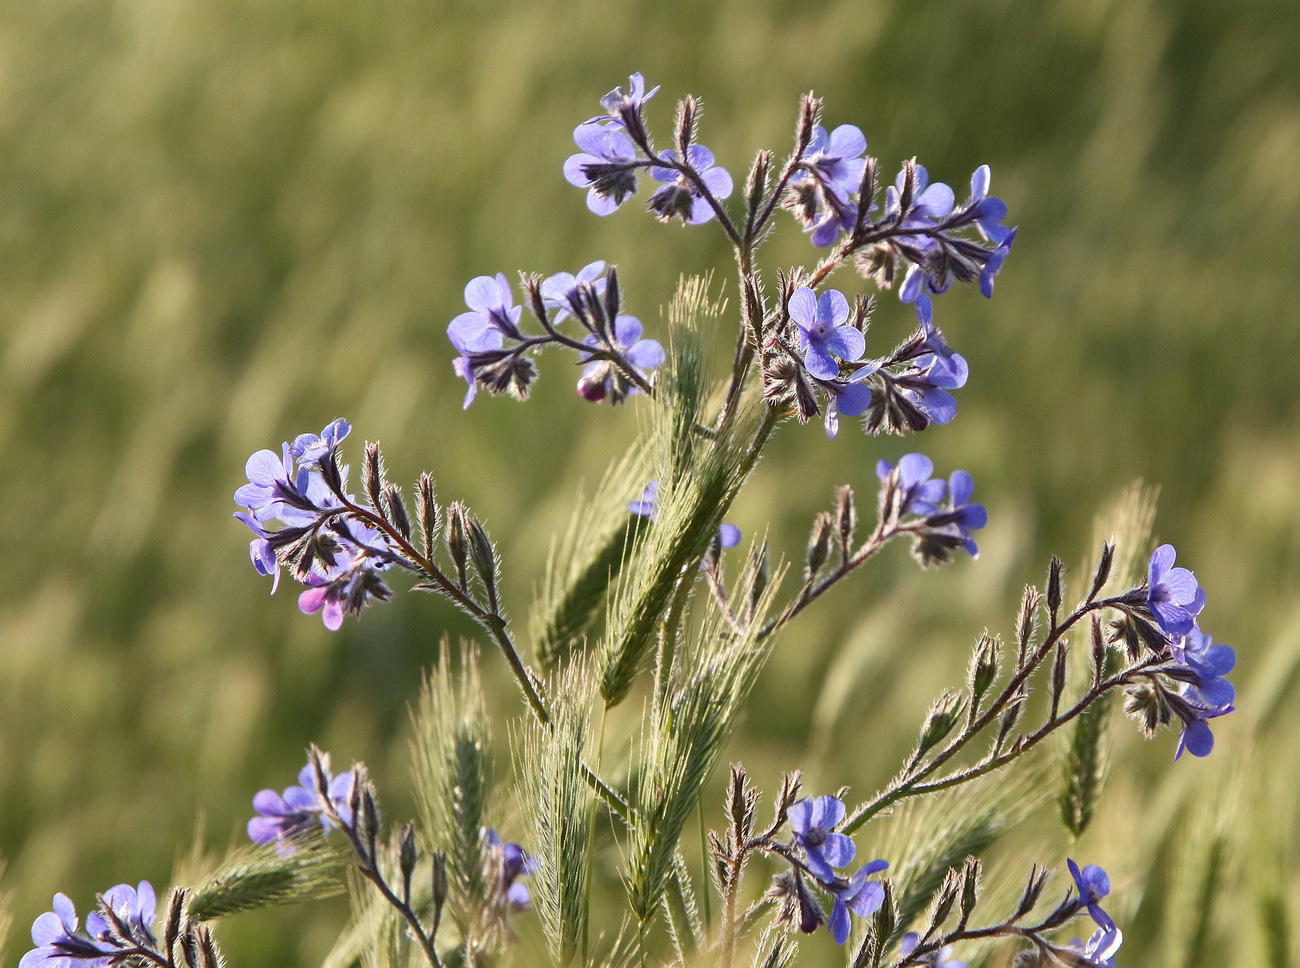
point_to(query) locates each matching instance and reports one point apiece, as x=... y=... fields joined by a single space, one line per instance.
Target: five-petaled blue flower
x=1173 y=595
x=1093 y=885
x=681 y=197
x=823 y=335
x=857 y=895
x=813 y=820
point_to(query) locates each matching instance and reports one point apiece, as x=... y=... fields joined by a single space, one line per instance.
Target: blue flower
x=850 y=397
x=823 y=334
x=492 y=310
x=836 y=161
x=58 y=945
x=918 y=494
x=1093 y=885
x=311 y=449
x=936 y=959
x=681 y=197
x=986 y=210
x=1203 y=666
x=857 y=895
x=1101 y=947
x=514 y=863
x=812 y=820
x=938 y=252
x=620 y=105
x=601 y=378
x=963 y=517
x=821 y=194
x=282 y=818
x=606 y=166
x=1196 y=737
x=1173 y=595
x=560 y=291
x=136 y=908
x=993 y=263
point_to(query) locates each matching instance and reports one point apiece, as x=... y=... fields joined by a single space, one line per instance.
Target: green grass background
x=223 y=223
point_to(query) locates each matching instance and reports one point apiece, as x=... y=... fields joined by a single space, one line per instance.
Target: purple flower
x=490 y=342
x=1174 y=597
x=1203 y=666
x=560 y=291
x=514 y=863
x=928 y=201
x=351 y=580
x=812 y=820
x=936 y=959
x=648 y=507
x=606 y=166
x=963 y=517
x=836 y=161
x=850 y=397
x=858 y=895
x=620 y=105
x=994 y=263
x=492 y=311
x=284 y=817
x=938 y=252
x=135 y=907
x=311 y=449
x=918 y=494
x=601 y=378
x=57 y=943
x=821 y=195
x=823 y=335
x=1101 y=947
x=682 y=197
x=1196 y=737
x=1093 y=885
x=986 y=210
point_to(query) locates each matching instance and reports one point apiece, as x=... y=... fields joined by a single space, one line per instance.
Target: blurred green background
x=223 y=223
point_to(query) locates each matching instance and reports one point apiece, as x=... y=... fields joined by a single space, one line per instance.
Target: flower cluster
x=496 y=354
x=122 y=928
x=615 y=147
x=339 y=558
x=906 y=391
x=283 y=818
x=928 y=232
x=817 y=850
x=506 y=863
x=943 y=515
x=1189 y=686
x=821 y=195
